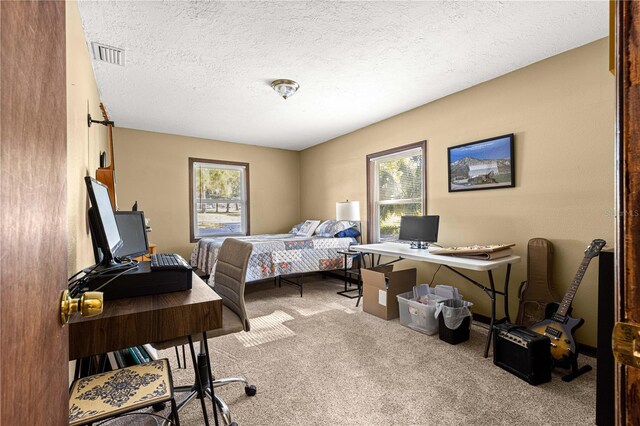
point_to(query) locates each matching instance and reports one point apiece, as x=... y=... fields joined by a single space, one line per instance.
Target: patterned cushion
x=108 y=394
x=308 y=228
x=329 y=228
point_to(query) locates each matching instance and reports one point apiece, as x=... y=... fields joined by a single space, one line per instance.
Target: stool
x=121 y=391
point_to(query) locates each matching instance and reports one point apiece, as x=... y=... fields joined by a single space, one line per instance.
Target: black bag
x=537 y=291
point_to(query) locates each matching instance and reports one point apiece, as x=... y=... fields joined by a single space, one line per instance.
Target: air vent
x=108 y=54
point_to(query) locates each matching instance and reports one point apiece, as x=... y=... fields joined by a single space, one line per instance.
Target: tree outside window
x=219 y=198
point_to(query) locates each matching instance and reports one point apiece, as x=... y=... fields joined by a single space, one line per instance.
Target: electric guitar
x=559 y=327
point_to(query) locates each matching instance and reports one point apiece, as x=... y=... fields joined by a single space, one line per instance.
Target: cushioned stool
x=121 y=391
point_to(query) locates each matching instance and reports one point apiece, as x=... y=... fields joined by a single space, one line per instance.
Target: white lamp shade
x=348 y=210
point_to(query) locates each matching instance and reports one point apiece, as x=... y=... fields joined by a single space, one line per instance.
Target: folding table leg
x=492 y=295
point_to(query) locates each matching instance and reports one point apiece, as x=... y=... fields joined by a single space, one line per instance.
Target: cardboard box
x=381 y=285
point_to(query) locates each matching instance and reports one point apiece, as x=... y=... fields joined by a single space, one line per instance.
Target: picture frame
x=484 y=164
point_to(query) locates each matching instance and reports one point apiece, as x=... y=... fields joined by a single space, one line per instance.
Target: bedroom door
x=34 y=376
x=628 y=219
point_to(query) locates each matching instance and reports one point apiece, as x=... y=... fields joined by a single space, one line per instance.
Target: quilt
x=278 y=254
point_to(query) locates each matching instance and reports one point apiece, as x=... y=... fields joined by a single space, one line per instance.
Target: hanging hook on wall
x=103 y=122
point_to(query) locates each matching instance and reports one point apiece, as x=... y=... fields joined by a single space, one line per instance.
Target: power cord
x=121 y=273
x=434 y=275
x=75 y=285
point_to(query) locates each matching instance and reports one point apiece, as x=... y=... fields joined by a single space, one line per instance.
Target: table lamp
x=348 y=210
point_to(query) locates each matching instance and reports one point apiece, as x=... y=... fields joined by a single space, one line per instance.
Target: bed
x=276 y=255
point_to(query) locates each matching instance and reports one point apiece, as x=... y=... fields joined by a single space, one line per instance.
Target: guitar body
x=106 y=175
x=561 y=332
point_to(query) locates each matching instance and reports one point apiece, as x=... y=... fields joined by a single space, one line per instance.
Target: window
x=219 y=198
x=396 y=181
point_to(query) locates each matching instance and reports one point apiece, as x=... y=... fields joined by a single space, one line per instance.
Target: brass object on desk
x=91 y=303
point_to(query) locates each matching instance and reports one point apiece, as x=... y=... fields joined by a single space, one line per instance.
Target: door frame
x=627 y=197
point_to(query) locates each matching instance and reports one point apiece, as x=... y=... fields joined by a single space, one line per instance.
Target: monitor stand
x=111 y=266
x=422 y=245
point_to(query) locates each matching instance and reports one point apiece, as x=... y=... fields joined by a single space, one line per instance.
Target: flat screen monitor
x=133 y=233
x=104 y=229
x=419 y=229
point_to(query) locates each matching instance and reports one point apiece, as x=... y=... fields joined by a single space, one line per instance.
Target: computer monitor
x=420 y=230
x=133 y=233
x=102 y=222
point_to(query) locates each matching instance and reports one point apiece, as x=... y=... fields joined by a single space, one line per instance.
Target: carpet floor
x=319 y=360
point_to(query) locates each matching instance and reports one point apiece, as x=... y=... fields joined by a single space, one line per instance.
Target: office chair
x=229 y=283
x=118 y=392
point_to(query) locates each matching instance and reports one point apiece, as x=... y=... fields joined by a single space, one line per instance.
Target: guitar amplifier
x=522 y=352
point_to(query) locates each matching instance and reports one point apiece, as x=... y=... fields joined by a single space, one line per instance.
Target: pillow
x=330 y=228
x=324 y=230
x=348 y=233
x=307 y=228
x=296 y=228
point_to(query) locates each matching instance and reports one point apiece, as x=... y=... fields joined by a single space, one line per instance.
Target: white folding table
x=404 y=251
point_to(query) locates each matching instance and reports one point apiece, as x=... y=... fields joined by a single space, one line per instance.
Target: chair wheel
x=250 y=390
x=233 y=424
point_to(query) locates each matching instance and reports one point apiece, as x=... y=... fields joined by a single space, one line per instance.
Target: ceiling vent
x=108 y=54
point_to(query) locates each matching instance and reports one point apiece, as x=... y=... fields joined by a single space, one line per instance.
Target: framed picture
x=485 y=164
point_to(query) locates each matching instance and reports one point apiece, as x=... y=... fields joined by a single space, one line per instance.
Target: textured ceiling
x=203 y=68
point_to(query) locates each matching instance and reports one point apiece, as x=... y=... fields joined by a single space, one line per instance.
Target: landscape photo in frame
x=485 y=164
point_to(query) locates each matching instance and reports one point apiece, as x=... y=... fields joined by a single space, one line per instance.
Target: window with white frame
x=219 y=198
x=396 y=188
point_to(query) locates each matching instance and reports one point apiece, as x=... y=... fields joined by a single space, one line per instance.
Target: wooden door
x=33 y=251
x=628 y=198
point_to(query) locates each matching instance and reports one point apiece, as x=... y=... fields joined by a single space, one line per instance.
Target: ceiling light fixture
x=285 y=88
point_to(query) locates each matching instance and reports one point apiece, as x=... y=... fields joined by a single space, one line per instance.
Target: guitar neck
x=110 y=132
x=573 y=288
x=111 y=157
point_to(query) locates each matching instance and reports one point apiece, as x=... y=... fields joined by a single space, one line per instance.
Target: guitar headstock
x=594 y=248
x=104 y=112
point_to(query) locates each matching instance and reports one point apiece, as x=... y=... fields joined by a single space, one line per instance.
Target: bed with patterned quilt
x=276 y=255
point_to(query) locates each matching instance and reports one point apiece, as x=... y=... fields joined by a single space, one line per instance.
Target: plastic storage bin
x=419 y=316
x=454 y=321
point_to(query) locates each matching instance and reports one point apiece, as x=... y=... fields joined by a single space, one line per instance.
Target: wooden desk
x=403 y=251
x=139 y=320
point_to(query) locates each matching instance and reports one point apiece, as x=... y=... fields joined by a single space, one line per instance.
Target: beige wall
x=153 y=169
x=562 y=112
x=84 y=143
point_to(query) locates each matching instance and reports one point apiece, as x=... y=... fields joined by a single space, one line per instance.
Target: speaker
x=522 y=353
x=605 y=373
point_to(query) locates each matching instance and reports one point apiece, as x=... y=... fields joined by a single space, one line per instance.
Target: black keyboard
x=168 y=261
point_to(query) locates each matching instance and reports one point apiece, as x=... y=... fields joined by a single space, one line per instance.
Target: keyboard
x=164 y=261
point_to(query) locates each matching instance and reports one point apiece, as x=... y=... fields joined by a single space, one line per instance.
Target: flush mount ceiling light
x=285 y=88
